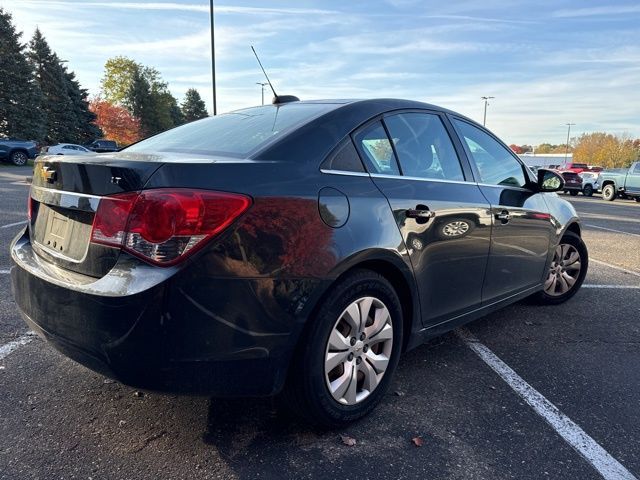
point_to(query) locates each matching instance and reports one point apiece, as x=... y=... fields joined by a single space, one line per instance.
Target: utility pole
x=262 y=85
x=486 y=102
x=566 y=150
x=213 y=59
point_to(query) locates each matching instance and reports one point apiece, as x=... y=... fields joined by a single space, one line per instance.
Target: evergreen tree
x=20 y=97
x=50 y=76
x=193 y=107
x=84 y=128
x=140 y=103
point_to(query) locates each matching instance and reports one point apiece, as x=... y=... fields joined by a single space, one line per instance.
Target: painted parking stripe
x=586 y=446
x=611 y=230
x=5 y=272
x=615 y=267
x=623 y=287
x=7 y=348
x=15 y=224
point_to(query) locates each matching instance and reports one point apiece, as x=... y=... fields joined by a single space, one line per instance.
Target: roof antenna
x=276 y=99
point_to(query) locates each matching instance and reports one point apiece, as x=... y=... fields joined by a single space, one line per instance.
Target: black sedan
x=296 y=248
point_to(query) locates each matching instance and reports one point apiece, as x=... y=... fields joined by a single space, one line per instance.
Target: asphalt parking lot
x=60 y=420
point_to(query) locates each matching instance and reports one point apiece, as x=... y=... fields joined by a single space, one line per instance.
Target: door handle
x=503 y=216
x=421 y=212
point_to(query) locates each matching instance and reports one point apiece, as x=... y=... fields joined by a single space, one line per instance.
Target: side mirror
x=549 y=181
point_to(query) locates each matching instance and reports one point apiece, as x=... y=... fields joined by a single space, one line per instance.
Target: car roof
x=316 y=137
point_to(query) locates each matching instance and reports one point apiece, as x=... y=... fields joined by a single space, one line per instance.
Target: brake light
x=163 y=226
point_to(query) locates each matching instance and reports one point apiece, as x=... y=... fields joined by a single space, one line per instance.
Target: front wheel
x=348 y=353
x=566 y=272
x=609 y=193
x=19 y=158
x=637 y=199
x=573 y=192
x=587 y=191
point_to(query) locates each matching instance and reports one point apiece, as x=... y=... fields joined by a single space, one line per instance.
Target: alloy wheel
x=564 y=270
x=454 y=229
x=19 y=158
x=358 y=350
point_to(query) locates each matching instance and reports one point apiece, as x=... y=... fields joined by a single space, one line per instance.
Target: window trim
x=364 y=126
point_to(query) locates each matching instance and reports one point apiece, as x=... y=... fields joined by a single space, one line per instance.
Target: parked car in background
x=595 y=168
x=575 y=167
x=17 y=152
x=589 y=183
x=65 y=149
x=103 y=146
x=572 y=182
x=297 y=248
x=621 y=182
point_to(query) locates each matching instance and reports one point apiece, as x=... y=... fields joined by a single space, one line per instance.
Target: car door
x=632 y=182
x=443 y=217
x=522 y=229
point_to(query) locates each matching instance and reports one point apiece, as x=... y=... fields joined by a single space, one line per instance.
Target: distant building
x=544 y=159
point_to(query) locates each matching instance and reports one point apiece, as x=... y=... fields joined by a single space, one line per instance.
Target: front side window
x=423 y=146
x=376 y=151
x=495 y=163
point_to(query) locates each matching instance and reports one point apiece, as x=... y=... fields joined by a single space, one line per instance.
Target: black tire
x=306 y=392
x=573 y=192
x=19 y=158
x=587 y=191
x=570 y=238
x=609 y=192
x=637 y=199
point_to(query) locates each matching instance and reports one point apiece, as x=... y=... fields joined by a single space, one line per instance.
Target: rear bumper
x=159 y=329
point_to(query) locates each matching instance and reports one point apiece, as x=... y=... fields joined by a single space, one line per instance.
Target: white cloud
x=597 y=11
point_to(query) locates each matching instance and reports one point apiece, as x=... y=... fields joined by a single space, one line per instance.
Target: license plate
x=56 y=232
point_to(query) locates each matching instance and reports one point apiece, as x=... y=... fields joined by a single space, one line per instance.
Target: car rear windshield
x=234 y=134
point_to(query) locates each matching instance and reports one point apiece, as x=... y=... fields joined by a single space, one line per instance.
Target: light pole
x=486 y=102
x=566 y=149
x=262 y=85
x=213 y=59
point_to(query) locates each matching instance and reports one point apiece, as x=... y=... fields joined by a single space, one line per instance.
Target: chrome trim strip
x=60 y=198
x=420 y=179
x=503 y=186
x=344 y=172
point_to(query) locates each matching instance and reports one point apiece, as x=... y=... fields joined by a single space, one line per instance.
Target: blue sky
x=546 y=62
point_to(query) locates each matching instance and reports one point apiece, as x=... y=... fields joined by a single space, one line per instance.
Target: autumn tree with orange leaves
x=116 y=122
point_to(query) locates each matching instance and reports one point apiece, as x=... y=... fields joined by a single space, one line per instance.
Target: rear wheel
x=637 y=199
x=566 y=272
x=348 y=354
x=609 y=192
x=573 y=192
x=19 y=158
x=587 y=191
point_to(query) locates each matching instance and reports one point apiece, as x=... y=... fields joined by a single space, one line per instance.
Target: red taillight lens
x=163 y=226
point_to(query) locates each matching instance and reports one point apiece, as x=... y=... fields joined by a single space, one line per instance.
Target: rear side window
x=495 y=163
x=376 y=151
x=233 y=134
x=344 y=158
x=423 y=146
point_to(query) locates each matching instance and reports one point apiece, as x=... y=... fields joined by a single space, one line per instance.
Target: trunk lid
x=65 y=194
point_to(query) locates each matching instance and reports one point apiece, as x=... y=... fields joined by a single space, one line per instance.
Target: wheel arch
x=394 y=269
x=573 y=227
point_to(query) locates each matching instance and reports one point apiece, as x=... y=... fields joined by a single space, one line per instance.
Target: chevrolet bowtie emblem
x=49 y=174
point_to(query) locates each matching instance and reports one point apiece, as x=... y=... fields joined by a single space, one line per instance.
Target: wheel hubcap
x=358 y=350
x=455 y=228
x=564 y=270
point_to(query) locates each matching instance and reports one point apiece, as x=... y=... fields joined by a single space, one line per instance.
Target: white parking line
x=615 y=267
x=586 y=446
x=611 y=230
x=5 y=272
x=623 y=287
x=7 y=348
x=14 y=224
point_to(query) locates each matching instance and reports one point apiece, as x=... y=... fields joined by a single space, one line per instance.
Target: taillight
x=163 y=226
